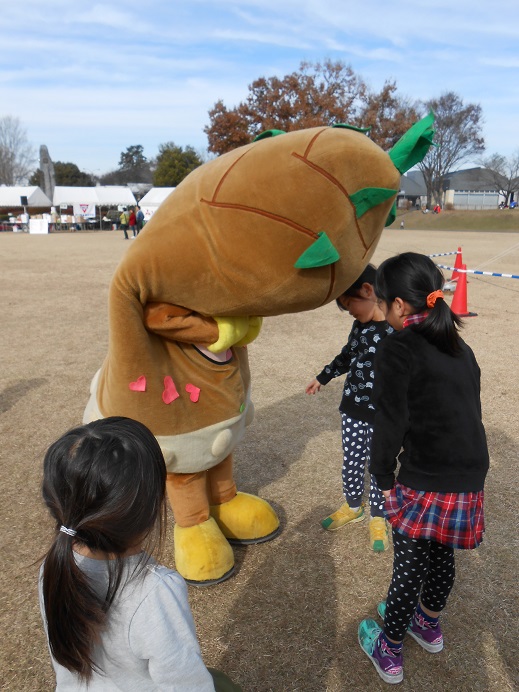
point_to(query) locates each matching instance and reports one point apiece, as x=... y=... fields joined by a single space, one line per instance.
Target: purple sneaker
x=430 y=638
x=387 y=665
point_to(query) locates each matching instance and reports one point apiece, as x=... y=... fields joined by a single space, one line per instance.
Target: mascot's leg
x=243 y=518
x=202 y=554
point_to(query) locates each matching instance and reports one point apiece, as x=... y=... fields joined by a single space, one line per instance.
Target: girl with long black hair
x=114 y=618
x=428 y=416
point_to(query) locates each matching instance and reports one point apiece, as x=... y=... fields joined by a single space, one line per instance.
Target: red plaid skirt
x=452 y=519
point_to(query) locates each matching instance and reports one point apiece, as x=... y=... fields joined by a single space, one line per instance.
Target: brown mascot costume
x=281 y=225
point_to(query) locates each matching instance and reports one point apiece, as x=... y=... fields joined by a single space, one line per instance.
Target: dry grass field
x=492 y=220
x=287 y=620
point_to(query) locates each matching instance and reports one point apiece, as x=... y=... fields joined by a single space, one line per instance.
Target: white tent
x=153 y=199
x=10 y=196
x=86 y=201
x=101 y=196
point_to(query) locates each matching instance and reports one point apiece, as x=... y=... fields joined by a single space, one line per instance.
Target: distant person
x=123 y=220
x=132 y=221
x=115 y=619
x=25 y=221
x=356 y=361
x=428 y=415
x=140 y=219
x=54 y=219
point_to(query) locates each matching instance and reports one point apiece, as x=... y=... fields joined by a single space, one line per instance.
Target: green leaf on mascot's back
x=268 y=133
x=412 y=147
x=346 y=126
x=320 y=254
x=369 y=197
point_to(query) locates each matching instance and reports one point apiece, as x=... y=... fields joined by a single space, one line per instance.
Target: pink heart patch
x=170 y=391
x=139 y=385
x=194 y=392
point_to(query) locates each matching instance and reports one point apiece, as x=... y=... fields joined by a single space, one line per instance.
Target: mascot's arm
x=175 y=323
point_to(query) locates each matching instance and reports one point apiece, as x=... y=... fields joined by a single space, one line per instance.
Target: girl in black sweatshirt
x=428 y=415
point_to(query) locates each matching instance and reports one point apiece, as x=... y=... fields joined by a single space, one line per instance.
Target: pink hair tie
x=433 y=297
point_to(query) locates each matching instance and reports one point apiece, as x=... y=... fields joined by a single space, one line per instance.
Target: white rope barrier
x=477 y=271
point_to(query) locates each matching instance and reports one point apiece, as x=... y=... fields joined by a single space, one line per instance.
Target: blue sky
x=89 y=79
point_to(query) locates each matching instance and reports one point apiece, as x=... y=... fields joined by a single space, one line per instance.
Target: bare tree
x=503 y=173
x=17 y=156
x=457 y=138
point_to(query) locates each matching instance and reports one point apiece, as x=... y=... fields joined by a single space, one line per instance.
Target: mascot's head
x=281 y=225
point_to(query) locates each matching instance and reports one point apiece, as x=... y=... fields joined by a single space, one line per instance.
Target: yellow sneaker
x=344 y=515
x=378 y=534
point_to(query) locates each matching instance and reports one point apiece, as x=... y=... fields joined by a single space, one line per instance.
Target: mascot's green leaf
x=346 y=126
x=319 y=254
x=412 y=147
x=369 y=197
x=392 y=216
x=269 y=133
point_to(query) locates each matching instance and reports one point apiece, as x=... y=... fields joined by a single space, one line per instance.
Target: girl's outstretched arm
x=313 y=387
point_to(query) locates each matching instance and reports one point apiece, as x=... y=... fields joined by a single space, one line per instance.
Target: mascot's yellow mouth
x=235 y=331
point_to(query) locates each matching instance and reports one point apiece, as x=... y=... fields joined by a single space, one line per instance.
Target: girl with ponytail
x=114 y=618
x=428 y=419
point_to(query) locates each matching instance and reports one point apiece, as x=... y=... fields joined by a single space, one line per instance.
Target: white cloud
x=272 y=39
x=108 y=16
x=511 y=63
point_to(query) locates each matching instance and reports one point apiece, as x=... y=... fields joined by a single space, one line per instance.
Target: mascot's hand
x=235 y=331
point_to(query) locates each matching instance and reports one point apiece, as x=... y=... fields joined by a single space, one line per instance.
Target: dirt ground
x=287 y=620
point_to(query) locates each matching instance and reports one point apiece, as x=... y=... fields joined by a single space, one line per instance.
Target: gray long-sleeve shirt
x=150 y=643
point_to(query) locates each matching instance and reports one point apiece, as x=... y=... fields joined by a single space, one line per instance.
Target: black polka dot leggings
x=356 y=444
x=422 y=570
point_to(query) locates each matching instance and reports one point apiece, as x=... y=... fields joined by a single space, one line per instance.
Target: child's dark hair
x=105 y=483
x=412 y=277
x=367 y=277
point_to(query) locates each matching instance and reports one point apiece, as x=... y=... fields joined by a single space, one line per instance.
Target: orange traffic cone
x=459 y=301
x=458 y=263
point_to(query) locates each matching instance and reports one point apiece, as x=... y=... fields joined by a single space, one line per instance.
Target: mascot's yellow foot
x=202 y=554
x=246 y=519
